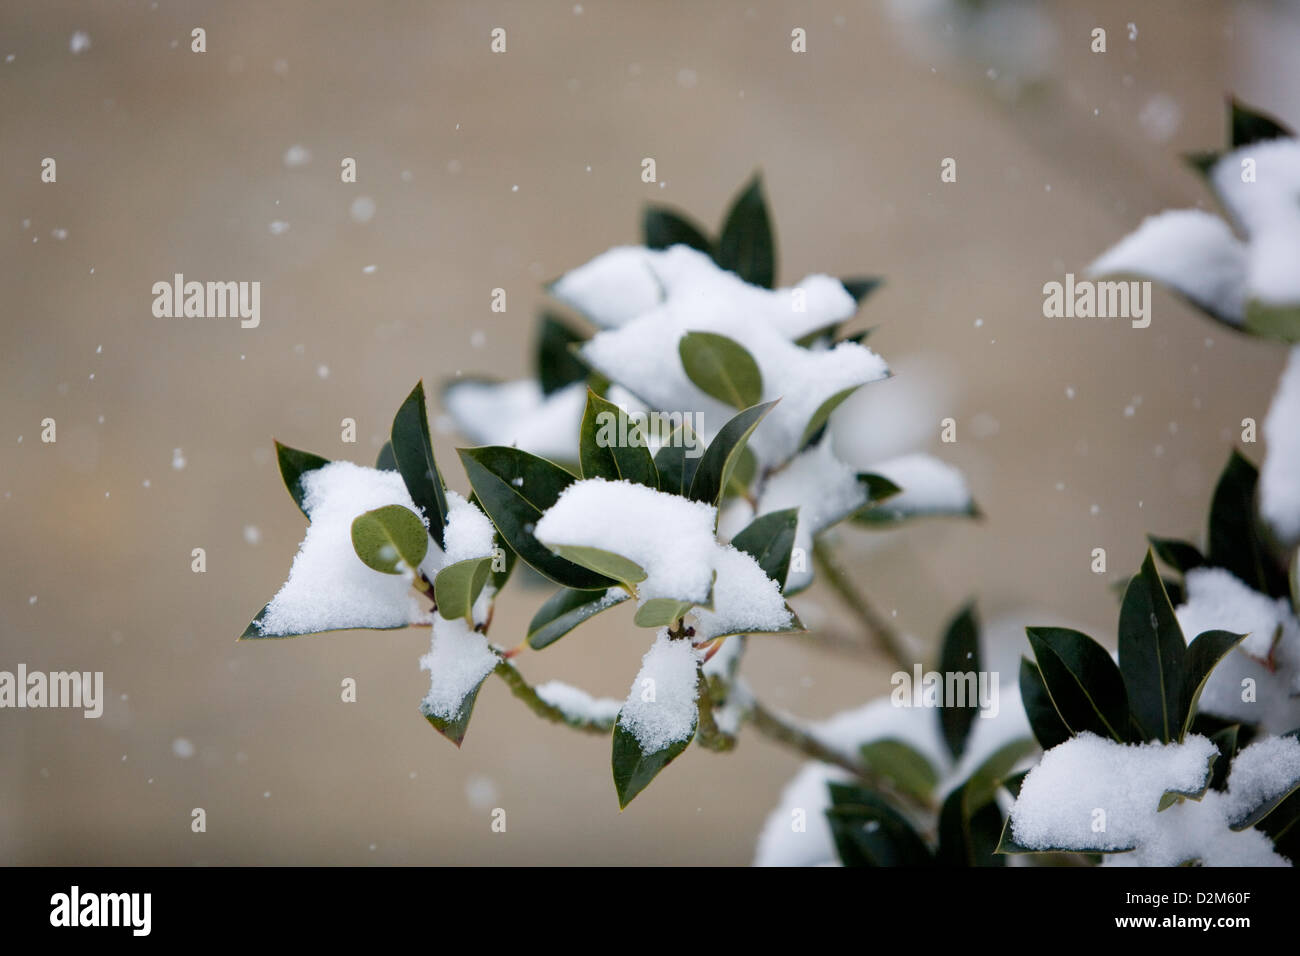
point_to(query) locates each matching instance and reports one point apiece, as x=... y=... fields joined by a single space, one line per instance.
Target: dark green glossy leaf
x=860 y=288
x=968 y=835
x=413 y=451
x=869 y=832
x=386 y=461
x=769 y=539
x=1013 y=782
x=719 y=459
x=677 y=460
x=747 y=246
x=721 y=367
x=1283 y=827
x=983 y=784
x=633 y=770
x=1182 y=556
x=386 y=538
x=613 y=446
x=1226 y=741
x=557 y=363
x=743 y=475
x=455 y=728
x=1152 y=652
x=663 y=227
x=1235 y=539
x=1203 y=654
x=514 y=489
x=905 y=766
x=1248 y=125
x=566 y=609
x=1048 y=727
x=959 y=654
x=1083 y=682
x=293 y=465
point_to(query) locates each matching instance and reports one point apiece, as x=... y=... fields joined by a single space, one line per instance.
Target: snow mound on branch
x=670 y=537
x=518 y=414
x=1091 y=793
x=576 y=704
x=1263 y=772
x=1190 y=251
x=1268 y=211
x=468 y=534
x=660 y=709
x=613 y=288
x=1279 y=478
x=744 y=598
x=641 y=353
x=626 y=282
x=1202 y=831
x=329 y=587
x=459 y=659
x=1198 y=255
x=1216 y=600
x=930 y=486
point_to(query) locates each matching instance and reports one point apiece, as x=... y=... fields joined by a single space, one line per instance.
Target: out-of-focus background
x=479 y=171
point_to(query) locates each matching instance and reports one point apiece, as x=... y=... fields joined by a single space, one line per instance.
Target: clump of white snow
x=1268 y=210
x=640 y=350
x=669 y=537
x=468 y=533
x=1198 y=255
x=1190 y=251
x=577 y=705
x=1263 y=772
x=1091 y=793
x=1279 y=478
x=1258 y=681
x=661 y=709
x=458 y=660
x=329 y=587
x=744 y=598
x=929 y=486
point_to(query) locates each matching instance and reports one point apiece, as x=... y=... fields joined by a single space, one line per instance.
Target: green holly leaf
x=558 y=364
x=959 y=654
x=633 y=770
x=1085 y=686
x=719 y=460
x=722 y=368
x=293 y=465
x=457 y=586
x=1152 y=653
x=747 y=246
x=1246 y=125
x=663 y=227
x=613 y=446
x=413 y=451
x=566 y=609
x=388 y=538
x=769 y=540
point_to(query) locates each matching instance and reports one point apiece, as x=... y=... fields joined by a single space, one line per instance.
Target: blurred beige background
x=170 y=161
